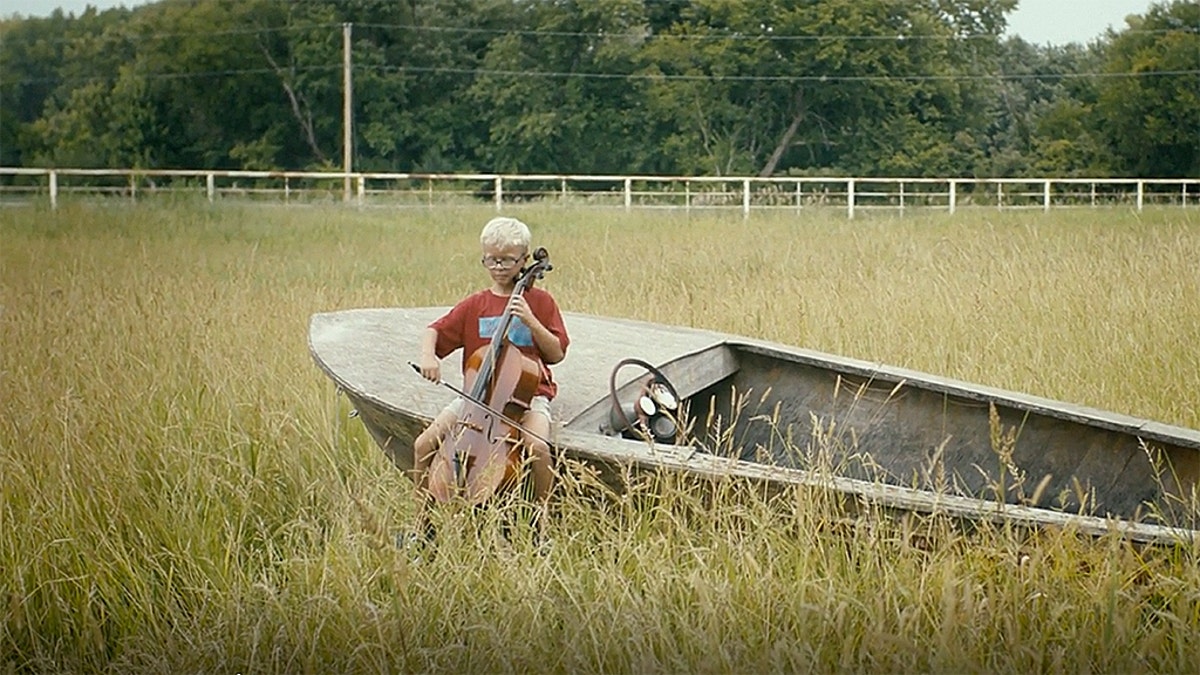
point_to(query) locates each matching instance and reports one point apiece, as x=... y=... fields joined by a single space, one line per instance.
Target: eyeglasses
x=505 y=263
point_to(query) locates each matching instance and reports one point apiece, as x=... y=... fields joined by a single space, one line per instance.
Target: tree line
x=679 y=87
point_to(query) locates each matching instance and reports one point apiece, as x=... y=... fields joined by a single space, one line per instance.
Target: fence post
x=1141 y=194
x=953 y=194
x=1046 y=197
x=745 y=197
x=132 y=187
x=850 y=198
x=499 y=183
x=628 y=194
x=53 y=189
x=901 y=197
x=362 y=189
x=212 y=187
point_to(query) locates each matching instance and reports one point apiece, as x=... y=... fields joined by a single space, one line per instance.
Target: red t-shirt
x=471 y=323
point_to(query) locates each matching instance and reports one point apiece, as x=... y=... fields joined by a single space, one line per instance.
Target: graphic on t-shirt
x=518 y=332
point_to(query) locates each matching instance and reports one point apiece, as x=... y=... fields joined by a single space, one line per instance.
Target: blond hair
x=504 y=232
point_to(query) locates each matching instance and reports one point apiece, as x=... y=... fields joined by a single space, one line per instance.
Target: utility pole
x=347 y=112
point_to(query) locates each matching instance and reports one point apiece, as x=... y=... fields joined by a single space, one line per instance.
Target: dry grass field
x=182 y=491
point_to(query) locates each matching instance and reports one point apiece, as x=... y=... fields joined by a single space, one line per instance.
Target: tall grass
x=183 y=491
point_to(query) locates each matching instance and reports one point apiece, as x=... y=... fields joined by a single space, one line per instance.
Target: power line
x=816 y=79
x=168 y=76
x=478 y=72
x=136 y=38
x=786 y=78
x=768 y=36
x=687 y=37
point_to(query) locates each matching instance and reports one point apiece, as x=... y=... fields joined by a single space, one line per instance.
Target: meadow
x=181 y=490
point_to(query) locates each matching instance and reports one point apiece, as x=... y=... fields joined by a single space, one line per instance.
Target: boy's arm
x=548 y=344
x=442 y=337
x=431 y=367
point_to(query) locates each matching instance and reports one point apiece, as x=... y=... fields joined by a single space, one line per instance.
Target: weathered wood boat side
x=784 y=415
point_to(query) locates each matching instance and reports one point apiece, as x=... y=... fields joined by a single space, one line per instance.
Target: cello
x=482 y=452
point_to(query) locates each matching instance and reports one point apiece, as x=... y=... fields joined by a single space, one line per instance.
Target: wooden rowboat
x=783 y=415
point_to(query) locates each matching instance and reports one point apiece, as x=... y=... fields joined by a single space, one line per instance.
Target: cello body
x=481 y=453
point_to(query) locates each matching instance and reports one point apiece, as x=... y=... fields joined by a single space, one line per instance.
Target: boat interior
x=786 y=409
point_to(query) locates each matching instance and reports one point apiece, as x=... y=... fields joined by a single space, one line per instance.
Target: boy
x=537 y=330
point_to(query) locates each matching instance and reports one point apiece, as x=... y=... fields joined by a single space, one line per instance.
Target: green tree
x=1066 y=143
x=541 y=95
x=766 y=86
x=1149 y=106
x=1041 y=117
x=423 y=117
x=42 y=62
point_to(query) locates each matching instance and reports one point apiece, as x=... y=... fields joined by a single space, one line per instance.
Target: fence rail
x=747 y=194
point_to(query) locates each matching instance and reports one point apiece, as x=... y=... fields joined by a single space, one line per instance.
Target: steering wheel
x=657 y=395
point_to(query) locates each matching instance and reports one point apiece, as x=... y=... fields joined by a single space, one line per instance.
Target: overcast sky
x=1037 y=21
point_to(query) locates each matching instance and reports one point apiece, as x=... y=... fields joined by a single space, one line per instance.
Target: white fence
x=747 y=194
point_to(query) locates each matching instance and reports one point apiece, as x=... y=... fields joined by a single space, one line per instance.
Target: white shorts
x=538 y=404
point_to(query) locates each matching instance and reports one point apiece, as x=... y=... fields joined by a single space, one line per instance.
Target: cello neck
x=526 y=278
